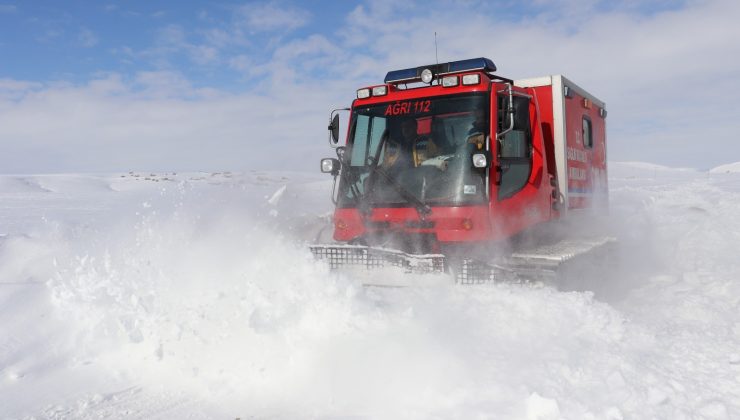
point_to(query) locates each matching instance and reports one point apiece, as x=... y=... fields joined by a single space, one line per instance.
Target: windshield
x=416 y=151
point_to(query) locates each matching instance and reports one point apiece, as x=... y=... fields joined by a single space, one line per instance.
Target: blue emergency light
x=415 y=74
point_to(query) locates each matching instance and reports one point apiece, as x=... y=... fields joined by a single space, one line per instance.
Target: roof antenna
x=436 y=57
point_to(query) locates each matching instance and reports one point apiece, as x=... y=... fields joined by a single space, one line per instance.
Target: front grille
x=420 y=224
x=474 y=272
x=465 y=271
x=372 y=258
x=381 y=225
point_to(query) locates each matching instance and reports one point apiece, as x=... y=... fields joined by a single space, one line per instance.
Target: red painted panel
x=348 y=224
x=586 y=165
x=532 y=204
x=450 y=224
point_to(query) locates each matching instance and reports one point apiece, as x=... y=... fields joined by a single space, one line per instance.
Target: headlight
x=479 y=160
x=471 y=79
x=380 y=90
x=363 y=93
x=330 y=166
x=449 y=81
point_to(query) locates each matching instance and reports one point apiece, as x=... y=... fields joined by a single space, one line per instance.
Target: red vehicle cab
x=451 y=154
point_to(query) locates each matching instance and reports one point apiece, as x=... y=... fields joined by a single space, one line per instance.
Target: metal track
x=549 y=262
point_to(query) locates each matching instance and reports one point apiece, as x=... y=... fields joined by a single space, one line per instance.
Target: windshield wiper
x=421 y=207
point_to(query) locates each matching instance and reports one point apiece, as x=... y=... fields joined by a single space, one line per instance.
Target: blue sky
x=75 y=41
x=199 y=85
x=208 y=42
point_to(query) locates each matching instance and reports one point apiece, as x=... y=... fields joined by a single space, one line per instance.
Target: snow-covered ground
x=193 y=296
x=729 y=168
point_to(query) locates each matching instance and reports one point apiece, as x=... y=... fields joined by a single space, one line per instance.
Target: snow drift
x=728 y=168
x=173 y=295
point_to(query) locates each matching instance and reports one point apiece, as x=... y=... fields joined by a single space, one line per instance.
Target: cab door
x=518 y=199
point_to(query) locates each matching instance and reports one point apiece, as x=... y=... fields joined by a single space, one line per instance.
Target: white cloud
x=252 y=29
x=172 y=40
x=311 y=46
x=302 y=57
x=241 y=63
x=218 y=37
x=171 y=36
x=8 y=8
x=267 y=17
x=12 y=90
x=10 y=85
x=87 y=38
x=203 y=54
x=156 y=122
x=162 y=84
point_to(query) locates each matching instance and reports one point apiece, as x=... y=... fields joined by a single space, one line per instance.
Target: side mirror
x=330 y=166
x=334 y=127
x=334 y=130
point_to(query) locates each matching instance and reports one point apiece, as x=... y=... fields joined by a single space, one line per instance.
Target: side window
x=365 y=139
x=359 y=143
x=588 y=140
x=378 y=128
x=367 y=134
x=514 y=147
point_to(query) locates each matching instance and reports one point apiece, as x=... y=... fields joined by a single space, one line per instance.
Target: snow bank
x=70 y=184
x=728 y=168
x=19 y=184
x=642 y=170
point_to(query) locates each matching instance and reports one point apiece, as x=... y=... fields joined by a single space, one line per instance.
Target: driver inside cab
x=478 y=129
x=407 y=149
x=422 y=147
x=397 y=146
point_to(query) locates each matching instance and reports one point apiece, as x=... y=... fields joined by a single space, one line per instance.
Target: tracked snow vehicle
x=450 y=167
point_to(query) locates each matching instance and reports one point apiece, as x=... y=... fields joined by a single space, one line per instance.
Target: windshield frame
x=352 y=174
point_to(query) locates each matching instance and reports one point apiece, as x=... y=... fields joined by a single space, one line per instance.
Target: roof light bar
x=480 y=63
x=414 y=74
